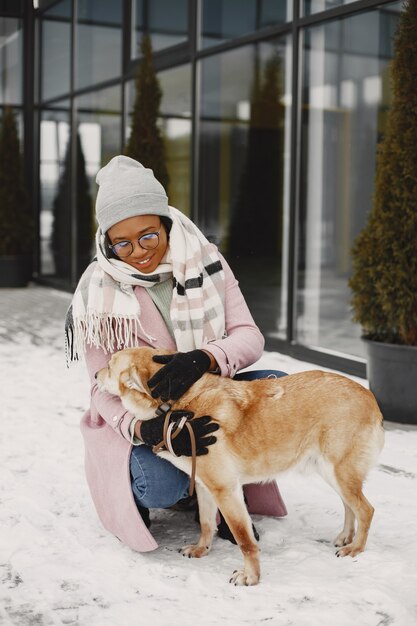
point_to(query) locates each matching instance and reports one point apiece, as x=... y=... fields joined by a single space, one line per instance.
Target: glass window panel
x=315 y=6
x=99 y=41
x=175 y=124
x=11 y=44
x=60 y=105
x=58 y=9
x=345 y=96
x=165 y=21
x=98 y=137
x=223 y=20
x=44 y=5
x=55 y=211
x=176 y=129
x=243 y=170
x=99 y=129
x=98 y=140
x=55 y=51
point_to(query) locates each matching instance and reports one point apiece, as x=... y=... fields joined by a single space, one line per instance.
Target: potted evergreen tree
x=16 y=223
x=145 y=143
x=384 y=280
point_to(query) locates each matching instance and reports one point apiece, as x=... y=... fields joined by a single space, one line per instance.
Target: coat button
x=115 y=418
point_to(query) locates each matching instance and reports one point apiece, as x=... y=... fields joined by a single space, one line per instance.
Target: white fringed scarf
x=105 y=312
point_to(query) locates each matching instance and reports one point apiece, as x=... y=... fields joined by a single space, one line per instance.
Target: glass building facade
x=271 y=114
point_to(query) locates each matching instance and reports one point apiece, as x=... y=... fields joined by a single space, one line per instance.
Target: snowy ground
x=58 y=566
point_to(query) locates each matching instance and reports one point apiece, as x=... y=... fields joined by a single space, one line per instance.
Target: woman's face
x=146 y=261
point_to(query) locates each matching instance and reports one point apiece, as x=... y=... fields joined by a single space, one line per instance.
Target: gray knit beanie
x=127 y=189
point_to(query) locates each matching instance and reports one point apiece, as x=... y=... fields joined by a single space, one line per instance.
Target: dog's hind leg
x=326 y=470
x=207 y=512
x=351 y=493
x=232 y=505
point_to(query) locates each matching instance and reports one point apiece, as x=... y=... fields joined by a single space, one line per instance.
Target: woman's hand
x=181 y=371
x=151 y=433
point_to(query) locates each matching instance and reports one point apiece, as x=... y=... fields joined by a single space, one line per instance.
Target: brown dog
x=321 y=421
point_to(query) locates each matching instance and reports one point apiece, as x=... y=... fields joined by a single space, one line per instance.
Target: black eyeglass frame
x=142 y=237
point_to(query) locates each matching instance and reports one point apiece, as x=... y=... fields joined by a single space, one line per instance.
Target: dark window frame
x=177 y=55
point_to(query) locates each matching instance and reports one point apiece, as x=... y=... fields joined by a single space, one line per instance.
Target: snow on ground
x=59 y=566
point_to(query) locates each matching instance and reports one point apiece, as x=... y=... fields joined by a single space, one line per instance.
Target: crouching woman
x=155 y=281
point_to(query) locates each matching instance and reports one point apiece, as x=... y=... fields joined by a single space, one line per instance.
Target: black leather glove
x=151 y=432
x=181 y=371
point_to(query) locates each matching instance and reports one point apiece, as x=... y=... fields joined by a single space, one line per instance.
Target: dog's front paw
x=195 y=551
x=350 y=550
x=241 y=578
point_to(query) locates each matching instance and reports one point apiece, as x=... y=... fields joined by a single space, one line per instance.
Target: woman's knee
x=156 y=483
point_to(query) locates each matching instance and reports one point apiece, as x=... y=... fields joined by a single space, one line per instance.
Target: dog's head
x=127 y=375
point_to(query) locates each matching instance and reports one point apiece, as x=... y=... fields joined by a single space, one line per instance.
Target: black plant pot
x=15 y=271
x=392 y=375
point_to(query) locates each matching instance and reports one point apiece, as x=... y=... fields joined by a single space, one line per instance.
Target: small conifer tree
x=145 y=143
x=384 y=280
x=61 y=232
x=259 y=199
x=16 y=223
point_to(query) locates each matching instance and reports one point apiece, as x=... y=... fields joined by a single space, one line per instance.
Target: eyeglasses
x=123 y=249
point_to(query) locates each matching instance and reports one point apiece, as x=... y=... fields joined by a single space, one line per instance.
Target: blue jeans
x=156 y=483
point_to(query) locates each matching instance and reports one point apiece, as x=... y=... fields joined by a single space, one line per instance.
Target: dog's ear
x=131 y=379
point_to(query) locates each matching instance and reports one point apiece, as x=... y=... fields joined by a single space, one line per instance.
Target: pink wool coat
x=105 y=426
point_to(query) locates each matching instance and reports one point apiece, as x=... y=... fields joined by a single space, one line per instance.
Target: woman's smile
x=144 y=263
x=131 y=230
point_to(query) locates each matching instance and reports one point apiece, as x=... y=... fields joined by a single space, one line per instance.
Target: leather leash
x=172 y=430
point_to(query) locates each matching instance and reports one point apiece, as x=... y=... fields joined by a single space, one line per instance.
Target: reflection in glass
x=99 y=128
x=63 y=222
x=58 y=183
x=54 y=142
x=11 y=42
x=58 y=9
x=176 y=129
x=99 y=41
x=243 y=179
x=345 y=96
x=55 y=50
x=308 y=7
x=223 y=20
x=175 y=121
x=166 y=23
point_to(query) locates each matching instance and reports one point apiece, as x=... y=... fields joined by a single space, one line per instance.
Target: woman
x=156 y=281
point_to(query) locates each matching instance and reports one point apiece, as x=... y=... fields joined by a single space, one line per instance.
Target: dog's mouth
x=99 y=378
